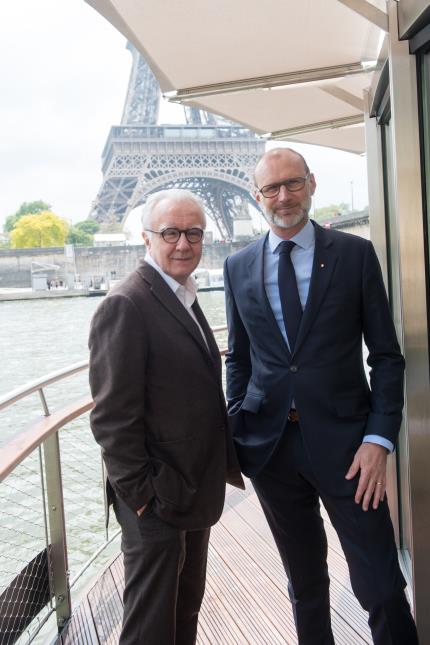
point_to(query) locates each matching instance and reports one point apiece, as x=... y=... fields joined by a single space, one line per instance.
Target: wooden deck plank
x=253 y=533
x=269 y=611
x=106 y=607
x=246 y=599
x=79 y=630
x=117 y=570
x=245 y=608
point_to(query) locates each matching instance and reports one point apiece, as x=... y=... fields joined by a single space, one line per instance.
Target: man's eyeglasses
x=172 y=235
x=292 y=185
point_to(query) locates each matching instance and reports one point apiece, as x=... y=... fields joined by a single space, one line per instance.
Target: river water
x=41 y=336
x=38 y=337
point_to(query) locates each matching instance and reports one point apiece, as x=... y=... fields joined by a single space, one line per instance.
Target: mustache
x=304 y=204
x=287 y=204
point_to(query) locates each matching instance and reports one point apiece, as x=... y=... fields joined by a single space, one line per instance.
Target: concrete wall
x=108 y=262
x=114 y=261
x=361 y=229
x=15 y=264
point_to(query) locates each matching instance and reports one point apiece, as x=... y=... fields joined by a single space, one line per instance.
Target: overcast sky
x=63 y=77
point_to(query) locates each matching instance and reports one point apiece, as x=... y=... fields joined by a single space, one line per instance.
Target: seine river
x=38 y=337
x=41 y=336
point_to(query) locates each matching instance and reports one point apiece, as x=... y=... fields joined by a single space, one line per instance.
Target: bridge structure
x=208 y=155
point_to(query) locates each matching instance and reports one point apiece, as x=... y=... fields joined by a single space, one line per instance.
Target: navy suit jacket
x=325 y=375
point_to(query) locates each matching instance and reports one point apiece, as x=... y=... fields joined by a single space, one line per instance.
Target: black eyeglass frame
x=287 y=184
x=179 y=231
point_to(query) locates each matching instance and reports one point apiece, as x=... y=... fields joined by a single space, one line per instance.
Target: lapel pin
x=322 y=265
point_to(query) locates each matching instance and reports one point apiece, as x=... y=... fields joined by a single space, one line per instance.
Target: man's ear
x=146 y=239
x=312 y=182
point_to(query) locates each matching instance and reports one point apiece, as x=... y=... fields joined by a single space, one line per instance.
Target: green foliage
x=326 y=212
x=32 y=208
x=10 y=222
x=88 y=226
x=81 y=234
x=41 y=230
x=78 y=237
x=4 y=242
x=26 y=208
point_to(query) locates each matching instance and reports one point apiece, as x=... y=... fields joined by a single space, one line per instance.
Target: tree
x=4 y=242
x=26 y=208
x=78 y=237
x=41 y=230
x=81 y=234
x=331 y=211
x=88 y=226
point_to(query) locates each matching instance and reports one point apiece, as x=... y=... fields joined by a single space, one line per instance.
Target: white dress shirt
x=186 y=293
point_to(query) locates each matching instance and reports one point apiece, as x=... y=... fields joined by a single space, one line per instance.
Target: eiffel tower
x=209 y=155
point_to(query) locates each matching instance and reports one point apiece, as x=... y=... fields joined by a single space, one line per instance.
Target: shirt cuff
x=380 y=441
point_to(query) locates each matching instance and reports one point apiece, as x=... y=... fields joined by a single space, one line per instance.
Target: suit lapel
x=164 y=294
x=324 y=262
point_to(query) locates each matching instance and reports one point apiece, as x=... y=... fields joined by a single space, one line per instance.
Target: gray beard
x=280 y=222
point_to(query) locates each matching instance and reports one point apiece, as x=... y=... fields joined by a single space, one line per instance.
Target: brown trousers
x=165 y=574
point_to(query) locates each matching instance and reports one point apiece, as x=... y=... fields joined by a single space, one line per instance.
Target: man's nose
x=283 y=191
x=182 y=243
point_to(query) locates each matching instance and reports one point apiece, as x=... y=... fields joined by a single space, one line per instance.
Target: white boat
x=209 y=279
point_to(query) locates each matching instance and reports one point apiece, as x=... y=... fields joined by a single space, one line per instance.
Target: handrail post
x=59 y=573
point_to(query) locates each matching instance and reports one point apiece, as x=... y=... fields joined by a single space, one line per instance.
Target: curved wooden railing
x=18 y=448
x=37 y=386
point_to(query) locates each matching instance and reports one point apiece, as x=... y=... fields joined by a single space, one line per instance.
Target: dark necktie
x=288 y=293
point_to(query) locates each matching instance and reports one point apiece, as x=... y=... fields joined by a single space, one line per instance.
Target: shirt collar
x=187 y=290
x=305 y=238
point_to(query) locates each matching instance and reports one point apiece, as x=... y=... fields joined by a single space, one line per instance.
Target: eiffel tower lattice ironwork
x=210 y=156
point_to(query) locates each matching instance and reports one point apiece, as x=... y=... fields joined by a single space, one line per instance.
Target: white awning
x=289 y=69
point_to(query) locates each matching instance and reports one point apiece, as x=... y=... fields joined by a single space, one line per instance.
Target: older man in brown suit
x=160 y=417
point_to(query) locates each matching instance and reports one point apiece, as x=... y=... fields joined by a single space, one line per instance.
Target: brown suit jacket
x=159 y=410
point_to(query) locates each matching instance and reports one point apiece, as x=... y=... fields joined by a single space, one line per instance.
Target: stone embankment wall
x=118 y=261
x=93 y=262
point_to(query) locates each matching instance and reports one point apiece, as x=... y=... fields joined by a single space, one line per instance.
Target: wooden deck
x=246 y=600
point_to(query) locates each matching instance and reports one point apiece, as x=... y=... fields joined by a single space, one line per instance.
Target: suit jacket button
x=294 y=369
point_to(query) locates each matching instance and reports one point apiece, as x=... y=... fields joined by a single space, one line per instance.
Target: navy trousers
x=290 y=498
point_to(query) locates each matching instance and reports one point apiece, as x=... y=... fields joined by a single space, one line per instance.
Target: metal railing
x=53 y=510
x=33 y=526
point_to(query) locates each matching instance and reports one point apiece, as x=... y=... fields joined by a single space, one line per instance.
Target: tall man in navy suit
x=306 y=423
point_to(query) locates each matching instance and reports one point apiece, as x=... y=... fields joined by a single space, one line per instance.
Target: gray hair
x=175 y=194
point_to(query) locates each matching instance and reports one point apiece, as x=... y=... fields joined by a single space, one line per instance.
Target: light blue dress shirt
x=302 y=257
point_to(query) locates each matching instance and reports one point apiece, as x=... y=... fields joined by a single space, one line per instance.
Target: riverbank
x=7 y=295
x=29 y=294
